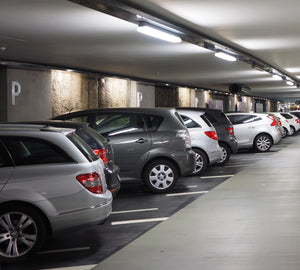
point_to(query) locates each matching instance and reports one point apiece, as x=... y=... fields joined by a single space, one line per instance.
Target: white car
x=203 y=138
x=293 y=122
x=255 y=130
x=286 y=128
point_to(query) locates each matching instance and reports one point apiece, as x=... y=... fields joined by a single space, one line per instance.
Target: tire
x=160 y=175
x=285 y=133
x=292 y=132
x=226 y=153
x=201 y=161
x=263 y=143
x=22 y=232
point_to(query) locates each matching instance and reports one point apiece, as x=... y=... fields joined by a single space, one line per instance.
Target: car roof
x=53 y=123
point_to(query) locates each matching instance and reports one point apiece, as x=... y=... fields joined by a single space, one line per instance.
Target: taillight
x=274 y=123
x=297 y=120
x=280 y=123
x=211 y=134
x=91 y=181
x=230 y=130
x=101 y=153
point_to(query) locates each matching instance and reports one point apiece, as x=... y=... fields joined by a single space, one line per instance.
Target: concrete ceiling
x=100 y=36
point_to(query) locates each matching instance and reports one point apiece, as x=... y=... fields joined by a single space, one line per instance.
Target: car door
x=245 y=128
x=6 y=166
x=127 y=134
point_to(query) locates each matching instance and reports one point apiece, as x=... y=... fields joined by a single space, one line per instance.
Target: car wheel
x=160 y=175
x=225 y=154
x=22 y=232
x=292 y=131
x=284 y=133
x=201 y=162
x=262 y=143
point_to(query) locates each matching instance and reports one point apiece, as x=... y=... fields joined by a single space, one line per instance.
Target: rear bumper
x=186 y=162
x=113 y=179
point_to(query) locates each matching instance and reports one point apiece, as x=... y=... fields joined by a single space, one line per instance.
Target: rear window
x=94 y=139
x=189 y=123
x=84 y=148
x=33 y=151
x=286 y=116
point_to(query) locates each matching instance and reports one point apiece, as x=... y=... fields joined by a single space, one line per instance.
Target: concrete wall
x=3 y=95
x=34 y=100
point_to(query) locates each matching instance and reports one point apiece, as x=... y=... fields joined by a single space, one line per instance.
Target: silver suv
x=150 y=144
x=50 y=180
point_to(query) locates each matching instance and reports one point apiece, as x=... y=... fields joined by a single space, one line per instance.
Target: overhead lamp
x=225 y=56
x=277 y=76
x=156 y=32
x=290 y=82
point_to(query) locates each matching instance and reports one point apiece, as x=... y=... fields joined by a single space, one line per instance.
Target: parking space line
x=236 y=165
x=186 y=193
x=185 y=187
x=63 y=250
x=216 y=176
x=81 y=267
x=134 y=211
x=134 y=221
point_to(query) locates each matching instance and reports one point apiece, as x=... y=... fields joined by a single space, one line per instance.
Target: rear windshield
x=85 y=149
x=94 y=139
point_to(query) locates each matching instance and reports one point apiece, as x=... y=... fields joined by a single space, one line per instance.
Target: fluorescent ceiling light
x=154 y=32
x=225 y=56
x=276 y=76
x=289 y=82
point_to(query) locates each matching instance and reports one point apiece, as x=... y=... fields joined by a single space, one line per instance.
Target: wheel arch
x=199 y=148
x=16 y=203
x=263 y=133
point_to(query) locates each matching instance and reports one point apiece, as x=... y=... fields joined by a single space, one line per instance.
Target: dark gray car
x=151 y=144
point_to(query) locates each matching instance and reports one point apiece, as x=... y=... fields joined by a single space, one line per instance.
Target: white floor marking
x=186 y=193
x=82 y=267
x=134 y=211
x=236 y=165
x=124 y=222
x=63 y=250
x=216 y=176
x=186 y=187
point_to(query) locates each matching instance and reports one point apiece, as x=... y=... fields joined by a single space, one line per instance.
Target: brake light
x=91 y=181
x=274 y=123
x=211 y=134
x=101 y=153
x=280 y=123
x=297 y=120
x=230 y=130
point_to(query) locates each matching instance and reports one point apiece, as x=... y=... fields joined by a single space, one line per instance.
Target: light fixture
x=154 y=31
x=290 y=82
x=277 y=76
x=225 y=56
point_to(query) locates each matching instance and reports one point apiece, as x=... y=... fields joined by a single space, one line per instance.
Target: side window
x=287 y=116
x=5 y=160
x=116 y=124
x=83 y=118
x=189 y=123
x=153 y=122
x=32 y=151
x=245 y=119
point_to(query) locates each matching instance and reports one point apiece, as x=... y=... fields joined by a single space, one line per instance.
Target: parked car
x=204 y=139
x=255 y=130
x=50 y=180
x=286 y=128
x=150 y=144
x=224 y=128
x=293 y=122
x=97 y=142
x=296 y=113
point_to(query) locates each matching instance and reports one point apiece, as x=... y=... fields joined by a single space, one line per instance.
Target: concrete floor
x=251 y=221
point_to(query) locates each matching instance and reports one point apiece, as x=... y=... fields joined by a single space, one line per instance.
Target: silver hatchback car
x=50 y=180
x=204 y=139
x=255 y=130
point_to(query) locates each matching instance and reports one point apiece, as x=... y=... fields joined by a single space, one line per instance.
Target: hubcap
x=223 y=155
x=199 y=163
x=161 y=176
x=263 y=143
x=18 y=234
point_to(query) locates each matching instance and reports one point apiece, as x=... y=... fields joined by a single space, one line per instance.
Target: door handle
x=141 y=140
